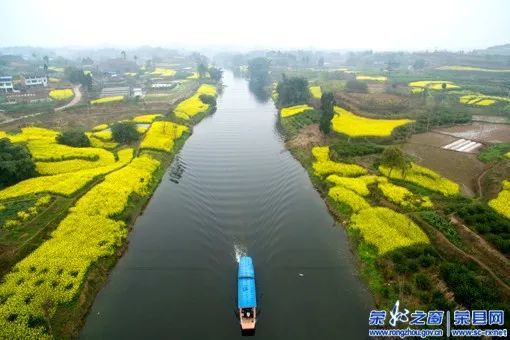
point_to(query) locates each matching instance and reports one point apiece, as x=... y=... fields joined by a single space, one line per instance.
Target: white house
x=138 y=92
x=32 y=79
x=6 y=83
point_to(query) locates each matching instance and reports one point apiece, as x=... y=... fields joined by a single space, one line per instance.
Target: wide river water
x=233 y=189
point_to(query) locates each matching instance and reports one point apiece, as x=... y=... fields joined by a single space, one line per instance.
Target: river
x=233 y=189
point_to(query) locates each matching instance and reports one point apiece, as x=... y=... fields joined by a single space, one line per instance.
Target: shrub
x=208 y=99
x=124 y=132
x=356 y=86
x=74 y=138
x=422 y=281
x=292 y=91
x=349 y=149
x=494 y=152
x=16 y=163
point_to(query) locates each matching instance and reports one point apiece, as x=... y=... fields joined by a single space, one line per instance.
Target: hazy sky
x=377 y=24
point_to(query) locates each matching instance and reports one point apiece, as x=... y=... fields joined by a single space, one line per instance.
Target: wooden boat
x=246 y=294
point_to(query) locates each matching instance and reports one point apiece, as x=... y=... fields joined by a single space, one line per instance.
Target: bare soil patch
x=480 y=131
x=462 y=168
x=309 y=135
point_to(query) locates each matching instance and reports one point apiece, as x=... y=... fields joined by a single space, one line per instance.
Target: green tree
x=258 y=72
x=125 y=132
x=292 y=91
x=215 y=73
x=327 y=111
x=394 y=158
x=202 y=70
x=77 y=76
x=74 y=138
x=16 y=163
x=207 y=99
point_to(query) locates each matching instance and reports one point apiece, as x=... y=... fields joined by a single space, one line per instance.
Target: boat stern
x=247 y=317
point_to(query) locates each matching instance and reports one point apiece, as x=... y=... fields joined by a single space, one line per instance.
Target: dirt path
x=479 y=181
x=74 y=101
x=449 y=250
x=7 y=121
x=477 y=246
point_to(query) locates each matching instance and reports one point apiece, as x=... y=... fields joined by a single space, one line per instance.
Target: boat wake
x=239 y=251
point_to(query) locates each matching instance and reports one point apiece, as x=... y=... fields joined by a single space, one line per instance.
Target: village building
x=138 y=92
x=34 y=79
x=37 y=95
x=6 y=84
x=116 y=91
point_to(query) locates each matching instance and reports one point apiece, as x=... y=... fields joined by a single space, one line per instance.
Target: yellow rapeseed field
x=294 y=110
x=324 y=166
x=100 y=127
x=106 y=100
x=165 y=72
x=434 y=84
x=193 y=105
x=44 y=151
x=387 y=229
x=61 y=94
x=55 y=271
x=148 y=118
x=470 y=68
x=482 y=100
x=207 y=89
x=65 y=184
x=403 y=196
x=104 y=135
x=33 y=133
x=356 y=126
x=98 y=143
x=424 y=177
x=501 y=203
x=316 y=92
x=357 y=184
x=72 y=165
x=371 y=78
x=349 y=197
x=162 y=135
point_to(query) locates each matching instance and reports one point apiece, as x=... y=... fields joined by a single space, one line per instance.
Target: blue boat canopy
x=246 y=294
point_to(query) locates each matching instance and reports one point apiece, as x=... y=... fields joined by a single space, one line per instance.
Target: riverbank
x=232 y=190
x=63 y=317
x=423 y=277
x=69 y=319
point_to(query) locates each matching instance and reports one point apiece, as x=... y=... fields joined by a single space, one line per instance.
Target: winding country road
x=76 y=99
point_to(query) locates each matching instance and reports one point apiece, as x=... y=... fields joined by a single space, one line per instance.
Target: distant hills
x=499 y=49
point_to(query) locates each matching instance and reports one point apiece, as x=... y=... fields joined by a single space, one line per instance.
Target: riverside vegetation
x=65 y=222
x=400 y=216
